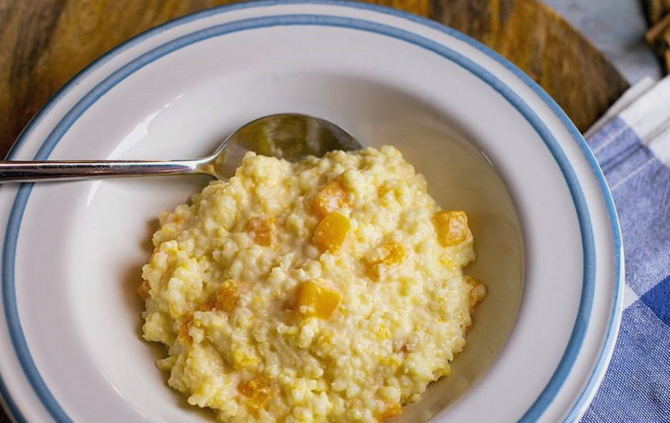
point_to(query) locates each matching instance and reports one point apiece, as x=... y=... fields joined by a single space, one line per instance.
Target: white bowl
x=547 y=237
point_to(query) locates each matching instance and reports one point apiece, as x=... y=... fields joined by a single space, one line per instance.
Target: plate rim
x=542 y=402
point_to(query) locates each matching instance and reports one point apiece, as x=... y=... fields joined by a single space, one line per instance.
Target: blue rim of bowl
x=577 y=336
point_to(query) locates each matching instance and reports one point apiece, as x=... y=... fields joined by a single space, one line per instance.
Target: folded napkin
x=632 y=144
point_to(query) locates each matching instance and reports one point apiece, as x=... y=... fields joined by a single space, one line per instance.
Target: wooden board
x=43 y=43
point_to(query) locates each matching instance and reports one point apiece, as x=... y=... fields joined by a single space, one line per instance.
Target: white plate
x=72 y=251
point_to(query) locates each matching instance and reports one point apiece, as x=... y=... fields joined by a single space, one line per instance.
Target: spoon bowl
x=289 y=136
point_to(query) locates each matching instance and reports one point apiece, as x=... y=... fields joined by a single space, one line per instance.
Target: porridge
x=330 y=289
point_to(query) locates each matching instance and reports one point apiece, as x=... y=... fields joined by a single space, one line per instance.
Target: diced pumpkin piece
x=331 y=232
x=257 y=390
x=332 y=197
x=184 y=336
x=452 y=227
x=228 y=296
x=262 y=230
x=393 y=410
x=316 y=300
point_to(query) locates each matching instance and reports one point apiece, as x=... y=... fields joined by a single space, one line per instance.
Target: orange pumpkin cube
x=452 y=227
x=257 y=390
x=228 y=296
x=331 y=197
x=262 y=230
x=317 y=300
x=331 y=232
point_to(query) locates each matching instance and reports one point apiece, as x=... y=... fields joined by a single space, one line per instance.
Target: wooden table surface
x=43 y=43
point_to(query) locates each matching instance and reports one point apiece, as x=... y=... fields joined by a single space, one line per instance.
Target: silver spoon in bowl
x=289 y=136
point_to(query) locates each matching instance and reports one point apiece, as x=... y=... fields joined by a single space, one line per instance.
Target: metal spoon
x=289 y=136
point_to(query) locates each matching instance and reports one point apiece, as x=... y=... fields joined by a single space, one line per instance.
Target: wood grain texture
x=43 y=43
x=546 y=47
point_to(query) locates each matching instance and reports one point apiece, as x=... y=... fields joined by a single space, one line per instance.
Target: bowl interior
x=445 y=120
x=117 y=217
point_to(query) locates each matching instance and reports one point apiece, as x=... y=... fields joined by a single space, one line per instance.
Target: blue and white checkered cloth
x=632 y=144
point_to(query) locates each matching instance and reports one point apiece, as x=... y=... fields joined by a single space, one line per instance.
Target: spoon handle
x=32 y=171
